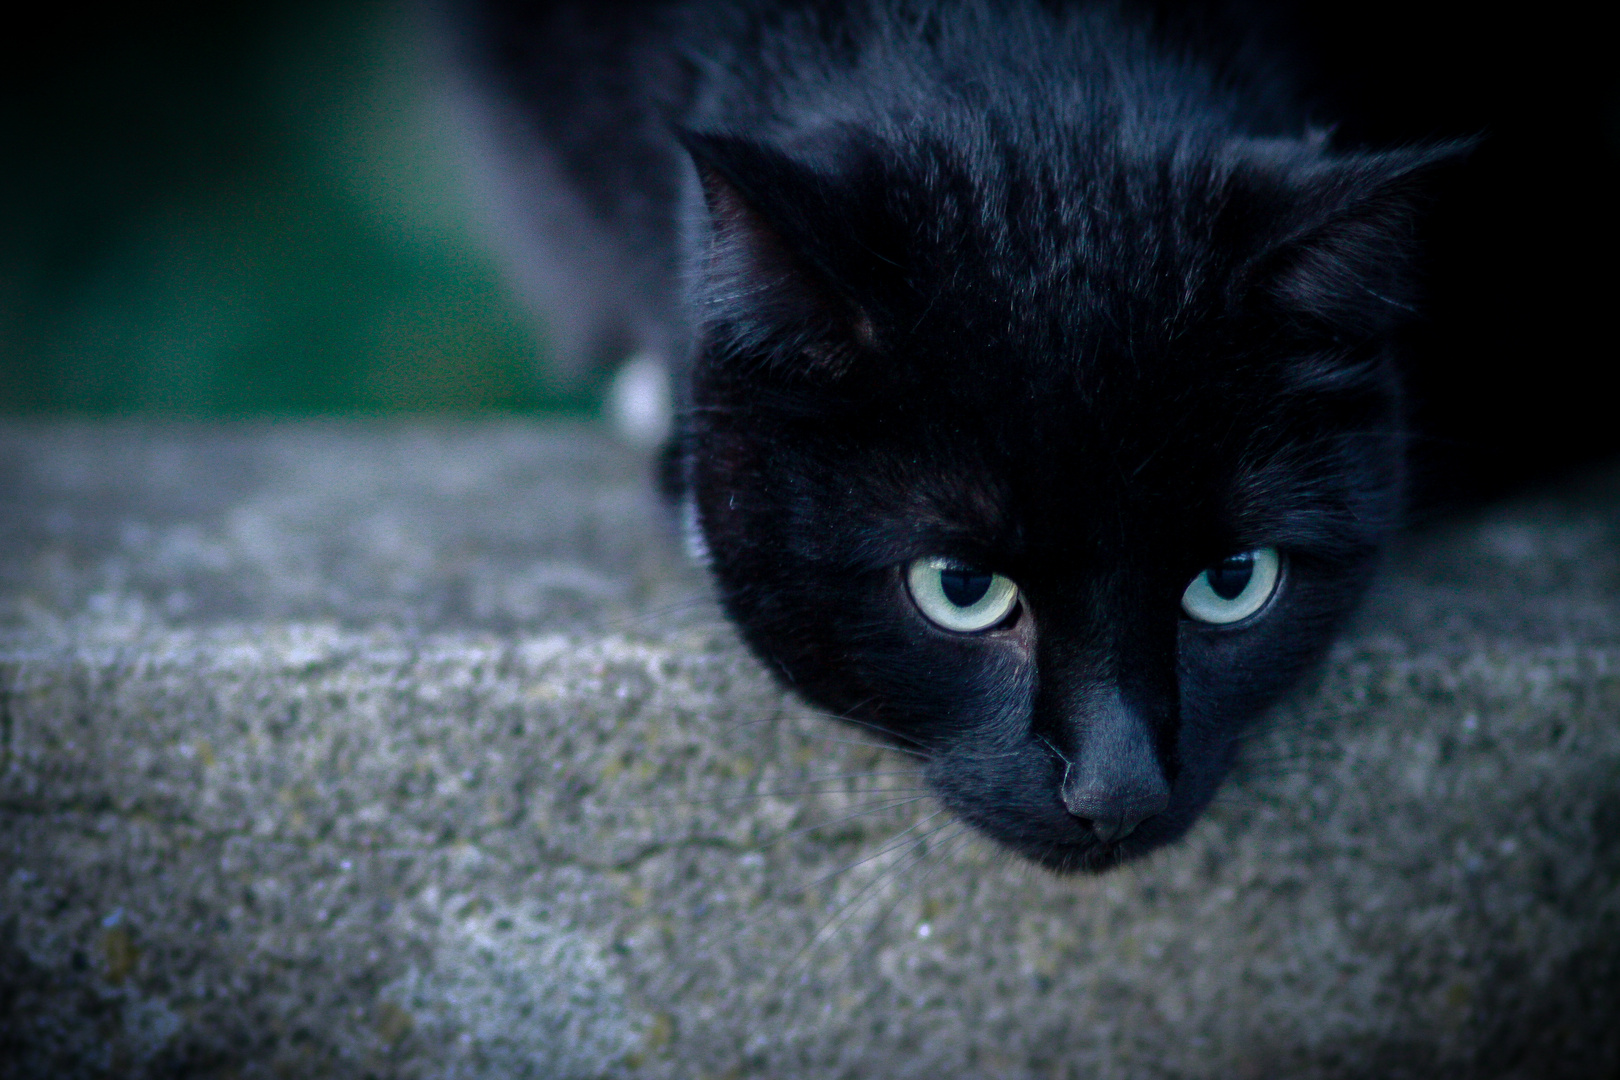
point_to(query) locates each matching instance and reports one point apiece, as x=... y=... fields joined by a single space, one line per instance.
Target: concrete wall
x=417 y=752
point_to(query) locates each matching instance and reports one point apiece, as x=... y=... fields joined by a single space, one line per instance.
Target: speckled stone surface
x=417 y=752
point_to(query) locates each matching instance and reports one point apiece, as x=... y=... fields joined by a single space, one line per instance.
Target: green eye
x=1234 y=588
x=957 y=597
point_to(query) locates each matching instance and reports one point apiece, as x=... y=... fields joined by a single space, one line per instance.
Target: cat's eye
x=960 y=598
x=1234 y=588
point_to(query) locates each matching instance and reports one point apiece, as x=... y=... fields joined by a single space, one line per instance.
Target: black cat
x=1033 y=364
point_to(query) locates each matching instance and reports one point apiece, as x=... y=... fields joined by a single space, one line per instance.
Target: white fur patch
x=697 y=548
x=639 y=401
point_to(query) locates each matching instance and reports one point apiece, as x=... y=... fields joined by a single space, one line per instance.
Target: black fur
x=1040 y=287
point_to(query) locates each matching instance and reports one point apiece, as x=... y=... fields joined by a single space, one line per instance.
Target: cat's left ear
x=774 y=275
x=1340 y=249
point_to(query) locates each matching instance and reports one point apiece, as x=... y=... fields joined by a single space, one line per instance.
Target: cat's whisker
x=857 y=803
x=779 y=715
x=662 y=613
x=901 y=841
x=915 y=754
x=908 y=740
x=914 y=851
x=830 y=740
x=738 y=725
x=789 y=793
x=895 y=841
x=827 y=778
x=872 y=746
x=695 y=600
x=937 y=843
x=941 y=853
x=952 y=838
x=841 y=820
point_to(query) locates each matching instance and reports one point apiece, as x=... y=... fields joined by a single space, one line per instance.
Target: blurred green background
x=242 y=211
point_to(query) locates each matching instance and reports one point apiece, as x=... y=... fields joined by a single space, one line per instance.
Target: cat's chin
x=1086 y=856
x=1069 y=848
x=1078 y=858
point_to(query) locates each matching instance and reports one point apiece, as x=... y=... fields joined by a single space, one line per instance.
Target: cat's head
x=1055 y=472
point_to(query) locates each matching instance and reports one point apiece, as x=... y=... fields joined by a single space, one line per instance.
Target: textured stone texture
x=417 y=752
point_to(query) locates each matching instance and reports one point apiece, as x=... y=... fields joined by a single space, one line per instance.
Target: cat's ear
x=769 y=276
x=1339 y=251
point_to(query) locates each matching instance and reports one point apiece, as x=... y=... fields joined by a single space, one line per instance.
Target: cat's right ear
x=1333 y=236
x=767 y=286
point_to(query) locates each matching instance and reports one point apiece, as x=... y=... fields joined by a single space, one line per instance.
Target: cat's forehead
x=1106 y=453
x=1127 y=244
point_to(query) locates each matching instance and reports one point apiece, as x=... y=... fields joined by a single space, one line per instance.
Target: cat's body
x=1034 y=370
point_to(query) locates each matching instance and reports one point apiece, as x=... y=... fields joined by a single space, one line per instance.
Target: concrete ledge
x=400 y=752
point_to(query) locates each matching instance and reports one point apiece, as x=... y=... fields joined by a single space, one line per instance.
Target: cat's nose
x=1115 y=781
x=1109 y=828
x=1112 y=817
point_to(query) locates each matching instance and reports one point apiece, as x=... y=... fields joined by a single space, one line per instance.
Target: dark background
x=1512 y=363
x=252 y=210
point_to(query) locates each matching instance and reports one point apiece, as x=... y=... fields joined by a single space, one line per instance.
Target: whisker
x=664 y=611
x=911 y=750
x=895 y=841
x=781 y=715
x=871 y=746
x=738 y=724
x=878 y=728
x=830 y=778
x=906 y=846
x=861 y=775
x=915 y=851
x=848 y=817
x=793 y=792
x=726 y=800
x=946 y=845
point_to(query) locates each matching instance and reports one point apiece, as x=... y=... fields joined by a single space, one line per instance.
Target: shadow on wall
x=244 y=209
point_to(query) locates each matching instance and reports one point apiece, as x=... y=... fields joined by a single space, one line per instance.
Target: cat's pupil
x=1229 y=577
x=964 y=588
